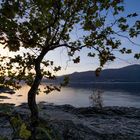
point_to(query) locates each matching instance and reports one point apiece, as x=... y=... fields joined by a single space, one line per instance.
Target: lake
x=79 y=95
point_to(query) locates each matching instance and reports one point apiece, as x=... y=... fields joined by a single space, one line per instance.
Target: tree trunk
x=32 y=101
x=33 y=106
x=32 y=94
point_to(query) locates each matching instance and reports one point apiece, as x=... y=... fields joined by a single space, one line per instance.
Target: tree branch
x=127 y=38
x=66 y=45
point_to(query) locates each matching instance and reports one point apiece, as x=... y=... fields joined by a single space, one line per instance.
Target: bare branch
x=127 y=38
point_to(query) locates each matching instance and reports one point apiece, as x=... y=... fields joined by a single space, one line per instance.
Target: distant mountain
x=126 y=74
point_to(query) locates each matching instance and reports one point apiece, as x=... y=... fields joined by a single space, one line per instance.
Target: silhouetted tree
x=39 y=26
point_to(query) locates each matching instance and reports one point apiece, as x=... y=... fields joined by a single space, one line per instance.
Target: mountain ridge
x=129 y=73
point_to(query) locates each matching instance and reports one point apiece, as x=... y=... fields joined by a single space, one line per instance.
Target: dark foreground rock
x=70 y=123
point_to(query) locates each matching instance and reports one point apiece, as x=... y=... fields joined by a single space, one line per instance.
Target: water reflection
x=116 y=94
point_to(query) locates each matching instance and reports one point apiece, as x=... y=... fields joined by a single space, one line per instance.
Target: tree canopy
x=40 y=26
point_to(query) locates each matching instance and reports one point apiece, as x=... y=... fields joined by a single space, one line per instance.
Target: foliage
x=42 y=133
x=96 y=99
x=42 y=26
x=33 y=28
x=24 y=132
x=46 y=131
x=19 y=127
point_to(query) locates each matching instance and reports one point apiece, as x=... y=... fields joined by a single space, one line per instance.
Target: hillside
x=125 y=74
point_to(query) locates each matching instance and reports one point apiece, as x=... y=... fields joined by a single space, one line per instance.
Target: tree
x=40 y=26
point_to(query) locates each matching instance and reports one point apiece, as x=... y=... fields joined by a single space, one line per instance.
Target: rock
x=66 y=122
x=108 y=123
x=68 y=130
x=5 y=128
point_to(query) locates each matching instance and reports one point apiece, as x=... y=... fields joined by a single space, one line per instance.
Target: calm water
x=116 y=94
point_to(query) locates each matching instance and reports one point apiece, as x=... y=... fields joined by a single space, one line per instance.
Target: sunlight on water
x=77 y=96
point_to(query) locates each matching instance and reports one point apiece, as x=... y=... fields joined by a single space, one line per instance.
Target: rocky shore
x=70 y=123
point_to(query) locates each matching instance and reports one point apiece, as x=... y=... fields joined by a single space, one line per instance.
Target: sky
x=60 y=57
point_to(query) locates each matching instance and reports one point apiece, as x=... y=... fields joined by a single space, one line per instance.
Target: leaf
x=137 y=56
x=132 y=15
x=24 y=133
x=16 y=121
x=97 y=71
x=57 y=68
x=91 y=54
x=122 y=19
x=76 y=60
x=51 y=62
x=98 y=23
x=128 y=51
